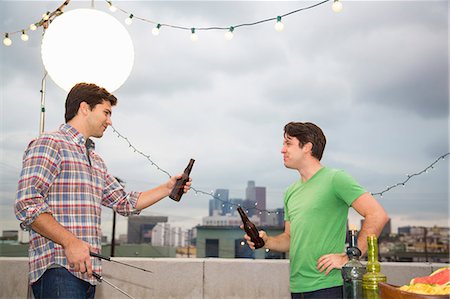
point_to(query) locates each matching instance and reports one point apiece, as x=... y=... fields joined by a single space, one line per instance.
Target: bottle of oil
x=251 y=229
x=178 y=189
x=353 y=270
x=373 y=275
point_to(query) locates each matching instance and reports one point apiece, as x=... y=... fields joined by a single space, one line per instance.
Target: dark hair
x=307 y=132
x=89 y=93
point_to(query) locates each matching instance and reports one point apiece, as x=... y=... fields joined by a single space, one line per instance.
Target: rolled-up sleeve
x=115 y=197
x=41 y=163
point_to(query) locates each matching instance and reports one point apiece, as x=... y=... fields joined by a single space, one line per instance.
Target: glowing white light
x=33 y=27
x=46 y=16
x=87 y=45
x=129 y=20
x=155 y=31
x=279 y=26
x=24 y=36
x=7 y=41
x=194 y=36
x=337 y=6
x=229 y=35
x=112 y=8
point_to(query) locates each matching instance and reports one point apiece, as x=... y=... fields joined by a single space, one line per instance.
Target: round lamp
x=87 y=45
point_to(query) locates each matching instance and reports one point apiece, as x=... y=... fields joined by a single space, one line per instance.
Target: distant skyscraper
x=260 y=198
x=220 y=196
x=256 y=200
x=250 y=191
x=386 y=229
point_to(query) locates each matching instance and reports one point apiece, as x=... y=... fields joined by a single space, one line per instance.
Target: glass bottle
x=251 y=229
x=353 y=270
x=178 y=189
x=373 y=275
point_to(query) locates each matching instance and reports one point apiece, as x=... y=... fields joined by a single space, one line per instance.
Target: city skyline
x=374 y=77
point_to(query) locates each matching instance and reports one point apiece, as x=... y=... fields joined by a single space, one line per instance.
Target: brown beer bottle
x=178 y=189
x=251 y=229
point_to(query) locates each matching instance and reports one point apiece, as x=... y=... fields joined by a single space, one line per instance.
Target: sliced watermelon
x=441 y=277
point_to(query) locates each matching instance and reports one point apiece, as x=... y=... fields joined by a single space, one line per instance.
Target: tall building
x=140 y=228
x=220 y=197
x=386 y=229
x=250 y=191
x=260 y=198
x=256 y=197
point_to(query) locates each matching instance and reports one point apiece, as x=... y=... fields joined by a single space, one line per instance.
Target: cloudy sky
x=374 y=77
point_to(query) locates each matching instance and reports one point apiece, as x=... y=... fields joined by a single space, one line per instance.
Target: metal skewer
x=110 y=260
x=101 y=279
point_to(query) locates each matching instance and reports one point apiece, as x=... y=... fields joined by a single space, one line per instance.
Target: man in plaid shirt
x=62 y=185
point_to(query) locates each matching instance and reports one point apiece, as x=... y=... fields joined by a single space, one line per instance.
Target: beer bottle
x=178 y=189
x=373 y=276
x=251 y=229
x=353 y=270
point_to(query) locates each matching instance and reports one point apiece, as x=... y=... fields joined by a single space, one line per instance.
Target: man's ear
x=84 y=108
x=308 y=147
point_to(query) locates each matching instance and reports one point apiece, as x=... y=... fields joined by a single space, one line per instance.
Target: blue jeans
x=328 y=293
x=60 y=283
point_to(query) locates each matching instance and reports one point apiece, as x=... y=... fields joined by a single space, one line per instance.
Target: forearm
x=152 y=196
x=278 y=243
x=48 y=227
x=75 y=249
x=373 y=224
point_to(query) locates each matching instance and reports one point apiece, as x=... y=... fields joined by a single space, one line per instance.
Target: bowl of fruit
x=434 y=286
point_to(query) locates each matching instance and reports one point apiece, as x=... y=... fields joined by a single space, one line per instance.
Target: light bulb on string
x=112 y=8
x=155 y=31
x=194 y=36
x=129 y=20
x=46 y=16
x=229 y=34
x=7 y=41
x=24 y=36
x=337 y=6
x=33 y=27
x=279 y=26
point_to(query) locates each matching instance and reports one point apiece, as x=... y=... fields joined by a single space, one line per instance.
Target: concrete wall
x=195 y=278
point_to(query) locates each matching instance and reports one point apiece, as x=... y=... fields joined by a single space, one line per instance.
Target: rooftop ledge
x=212 y=278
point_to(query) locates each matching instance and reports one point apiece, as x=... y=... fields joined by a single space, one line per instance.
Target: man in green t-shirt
x=316 y=210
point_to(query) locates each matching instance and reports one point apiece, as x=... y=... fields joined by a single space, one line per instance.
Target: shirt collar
x=76 y=136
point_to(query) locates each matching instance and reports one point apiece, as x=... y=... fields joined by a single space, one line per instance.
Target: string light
x=337 y=6
x=410 y=176
x=279 y=26
x=229 y=30
x=46 y=16
x=24 y=36
x=194 y=36
x=49 y=16
x=155 y=31
x=112 y=8
x=229 y=34
x=46 y=19
x=129 y=20
x=7 y=41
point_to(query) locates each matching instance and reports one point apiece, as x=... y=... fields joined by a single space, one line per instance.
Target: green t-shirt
x=317 y=211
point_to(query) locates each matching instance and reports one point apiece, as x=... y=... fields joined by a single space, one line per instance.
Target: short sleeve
x=346 y=187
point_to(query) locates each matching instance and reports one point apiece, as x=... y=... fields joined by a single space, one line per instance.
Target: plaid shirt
x=58 y=178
